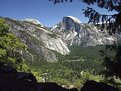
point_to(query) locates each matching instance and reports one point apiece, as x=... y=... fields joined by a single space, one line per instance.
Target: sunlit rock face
x=45 y=42
x=89 y=35
x=68 y=23
x=39 y=40
x=72 y=31
x=71 y=23
x=34 y=21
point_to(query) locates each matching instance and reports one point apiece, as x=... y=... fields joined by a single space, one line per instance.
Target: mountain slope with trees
x=113 y=24
x=11 y=48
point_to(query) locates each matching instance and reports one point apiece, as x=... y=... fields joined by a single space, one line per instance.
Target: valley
x=67 y=53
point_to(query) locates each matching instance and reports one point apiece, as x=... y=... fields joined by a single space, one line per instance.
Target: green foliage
x=112 y=61
x=3 y=27
x=11 y=48
x=2 y=52
x=82 y=58
x=67 y=71
x=114 y=81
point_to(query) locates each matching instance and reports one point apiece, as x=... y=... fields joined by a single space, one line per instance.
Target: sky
x=46 y=12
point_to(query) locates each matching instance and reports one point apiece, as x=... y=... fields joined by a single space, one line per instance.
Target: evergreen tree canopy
x=10 y=47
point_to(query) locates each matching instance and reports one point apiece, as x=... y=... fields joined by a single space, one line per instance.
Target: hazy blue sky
x=43 y=10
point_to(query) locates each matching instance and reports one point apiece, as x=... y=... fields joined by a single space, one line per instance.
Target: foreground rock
x=11 y=80
x=50 y=86
x=95 y=86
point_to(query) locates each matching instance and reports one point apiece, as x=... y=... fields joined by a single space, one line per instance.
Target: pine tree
x=11 y=47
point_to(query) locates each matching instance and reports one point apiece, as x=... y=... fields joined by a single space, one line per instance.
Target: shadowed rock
x=26 y=77
x=50 y=86
x=11 y=80
x=95 y=86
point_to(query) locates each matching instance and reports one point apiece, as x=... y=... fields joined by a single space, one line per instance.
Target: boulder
x=91 y=85
x=51 y=86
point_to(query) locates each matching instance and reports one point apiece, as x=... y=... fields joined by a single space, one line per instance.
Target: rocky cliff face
x=72 y=31
x=38 y=39
x=43 y=43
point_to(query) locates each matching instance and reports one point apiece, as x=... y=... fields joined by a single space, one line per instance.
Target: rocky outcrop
x=91 y=85
x=68 y=23
x=51 y=86
x=11 y=80
x=38 y=39
x=43 y=42
x=34 y=21
x=90 y=35
x=72 y=31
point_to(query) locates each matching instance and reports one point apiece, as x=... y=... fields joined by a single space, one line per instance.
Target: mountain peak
x=35 y=21
x=72 y=31
x=74 y=19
